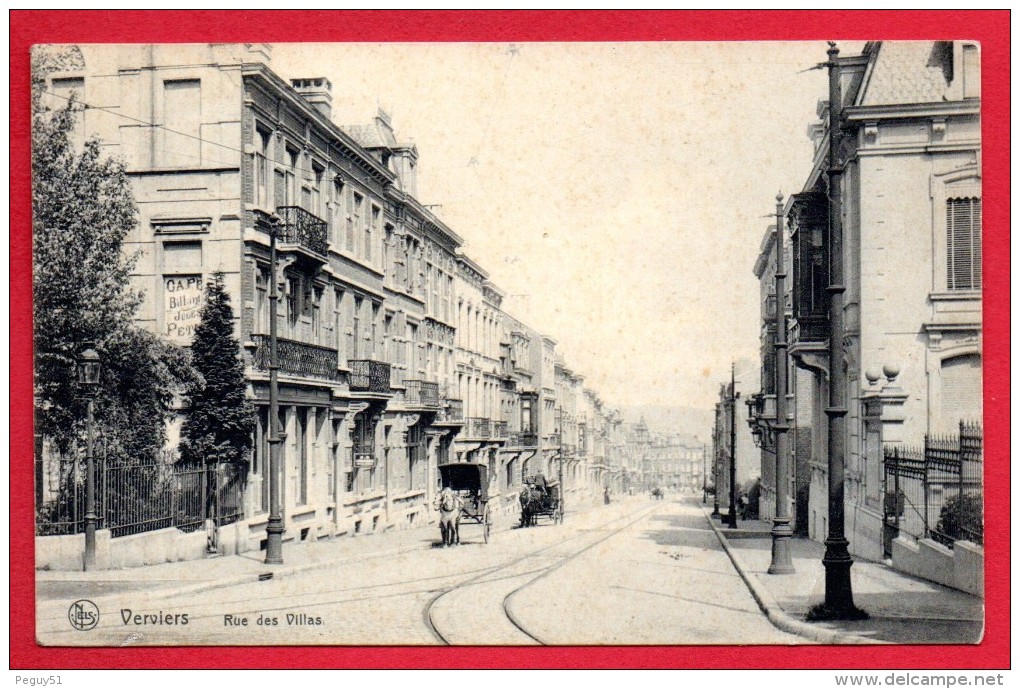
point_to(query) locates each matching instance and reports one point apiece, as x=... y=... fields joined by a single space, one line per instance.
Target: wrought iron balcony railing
x=298 y=358
x=421 y=393
x=814 y=329
x=479 y=427
x=524 y=439
x=304 y=229
x=500 y=429
x=454 y=410
x=369 y=376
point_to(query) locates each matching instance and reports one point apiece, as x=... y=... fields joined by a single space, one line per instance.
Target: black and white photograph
x=508 y=343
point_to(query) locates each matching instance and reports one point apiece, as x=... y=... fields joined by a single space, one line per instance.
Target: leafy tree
x=83 y=209
x=220 y=424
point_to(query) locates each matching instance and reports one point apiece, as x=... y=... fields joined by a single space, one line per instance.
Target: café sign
x=183 y=296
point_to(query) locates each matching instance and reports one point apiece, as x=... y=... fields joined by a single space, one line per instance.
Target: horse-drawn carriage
x=540 y=498
x=464 y=497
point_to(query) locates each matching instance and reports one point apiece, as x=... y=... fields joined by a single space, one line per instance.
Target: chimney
x=318 y=91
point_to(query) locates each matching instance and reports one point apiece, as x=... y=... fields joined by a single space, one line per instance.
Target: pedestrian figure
x=605 y=496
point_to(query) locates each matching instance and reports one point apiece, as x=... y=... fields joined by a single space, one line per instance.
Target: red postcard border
x=179 y=26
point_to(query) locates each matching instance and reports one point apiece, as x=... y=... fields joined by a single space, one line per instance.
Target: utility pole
x=782 y=562
x=733 y=446
x=839 y=597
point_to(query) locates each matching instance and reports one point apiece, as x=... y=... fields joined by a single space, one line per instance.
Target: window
x=961 y=390
x=364 y=454
x=971 y=71
x=260 y=459
x=316 y=306
x=64 y=90
x=261 y=299
x=293 y=301
x=301 y=426
x=963 y=243
x=386 y=255
x=415 y=458
x=262 y=168
x=338 y=213
x=357 y=201
x=182 y=123
x=369 y=228
x=343 y=344
x=315 y=205
x=356 y=329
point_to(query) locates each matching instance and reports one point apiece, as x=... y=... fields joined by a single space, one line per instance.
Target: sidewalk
x=902 y=609
x=220 y=571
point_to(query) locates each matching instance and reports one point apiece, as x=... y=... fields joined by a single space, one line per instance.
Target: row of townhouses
x=909 y=204
x=395 y=352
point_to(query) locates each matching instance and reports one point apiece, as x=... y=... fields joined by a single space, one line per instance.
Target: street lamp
x=274 y=528
x=782 y=563
x=733 y=397
x=88 y=379
x=839 y=596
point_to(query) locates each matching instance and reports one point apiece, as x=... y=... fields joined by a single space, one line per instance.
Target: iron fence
x=934 y=491
x=135 y=498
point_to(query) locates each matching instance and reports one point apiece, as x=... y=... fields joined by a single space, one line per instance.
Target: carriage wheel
x=486 y=523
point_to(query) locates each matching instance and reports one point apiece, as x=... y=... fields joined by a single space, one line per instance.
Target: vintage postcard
x=508 y=344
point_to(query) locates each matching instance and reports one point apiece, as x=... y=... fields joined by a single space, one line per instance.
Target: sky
x=617 y=193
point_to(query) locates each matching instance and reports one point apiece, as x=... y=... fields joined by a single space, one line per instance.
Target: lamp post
x=716 y=442
x=733 y=445
x=839 y=598
x=88 y=378
x=782 y=563
x=274 y=528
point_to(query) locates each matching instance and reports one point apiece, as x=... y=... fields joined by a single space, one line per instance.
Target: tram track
x=429 y=612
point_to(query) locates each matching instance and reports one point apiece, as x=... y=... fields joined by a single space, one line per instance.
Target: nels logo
x=83 y=615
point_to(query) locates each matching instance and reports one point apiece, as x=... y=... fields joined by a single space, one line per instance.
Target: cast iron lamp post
x=839 y=596
x=734 y=396
x=88 y=379
x=274 y=528
x=782 y=563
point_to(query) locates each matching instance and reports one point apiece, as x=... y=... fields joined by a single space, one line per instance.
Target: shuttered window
x=963 y=244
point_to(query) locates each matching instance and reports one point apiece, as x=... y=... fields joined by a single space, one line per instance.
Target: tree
x=221 y=422
x=83 y=209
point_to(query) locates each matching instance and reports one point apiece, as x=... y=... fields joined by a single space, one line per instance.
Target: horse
x=450 y=507
x=530 y=499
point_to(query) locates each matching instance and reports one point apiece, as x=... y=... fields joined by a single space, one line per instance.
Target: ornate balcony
x=524 y=439
x=303 y=229
x=369 y=376
x=298 y=358
x=478 y=427
x=421 y=393
x=453 y=412
x=500 y=429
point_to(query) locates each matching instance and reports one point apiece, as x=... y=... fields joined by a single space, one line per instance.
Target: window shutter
x=963 y=244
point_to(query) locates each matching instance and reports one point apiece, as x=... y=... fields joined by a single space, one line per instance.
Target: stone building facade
x=395 y=354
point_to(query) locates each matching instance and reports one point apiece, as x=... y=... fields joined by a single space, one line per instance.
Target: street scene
x=549 y=347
